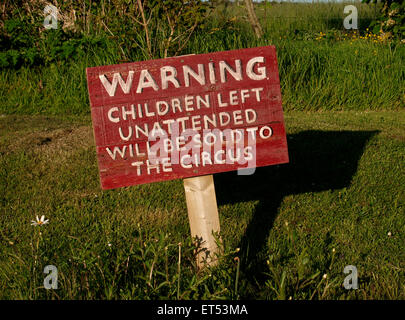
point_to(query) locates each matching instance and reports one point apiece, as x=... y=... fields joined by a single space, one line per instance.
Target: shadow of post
x=319 y=160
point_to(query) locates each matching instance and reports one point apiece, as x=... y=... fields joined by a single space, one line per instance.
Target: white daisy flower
x=39 y=222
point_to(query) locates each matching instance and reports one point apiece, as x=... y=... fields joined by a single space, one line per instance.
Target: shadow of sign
x=319 y=161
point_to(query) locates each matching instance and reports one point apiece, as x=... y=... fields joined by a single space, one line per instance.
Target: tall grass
x=331 y=74
x=314 y=75
x=287 y=18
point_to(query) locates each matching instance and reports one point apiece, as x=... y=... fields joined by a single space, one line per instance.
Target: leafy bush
x=392 y=18
x=133 y=28
x=23 y=42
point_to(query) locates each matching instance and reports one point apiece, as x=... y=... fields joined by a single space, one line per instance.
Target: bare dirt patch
x=49 y=143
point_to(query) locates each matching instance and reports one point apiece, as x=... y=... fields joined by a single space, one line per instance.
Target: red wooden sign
x=187 y=116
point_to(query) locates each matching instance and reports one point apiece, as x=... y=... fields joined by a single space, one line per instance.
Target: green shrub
x=392 y=18
x=150 y=29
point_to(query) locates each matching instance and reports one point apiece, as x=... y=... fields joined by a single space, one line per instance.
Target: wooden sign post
x=203 y=216
x=188 y=117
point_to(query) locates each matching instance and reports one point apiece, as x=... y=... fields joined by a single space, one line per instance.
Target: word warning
x=187 y=116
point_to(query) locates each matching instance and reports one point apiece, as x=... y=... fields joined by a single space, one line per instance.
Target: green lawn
x=288 y=231
x=339 y=202
x=322 y=66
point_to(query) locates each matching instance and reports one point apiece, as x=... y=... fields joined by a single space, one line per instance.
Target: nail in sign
x=187 y=116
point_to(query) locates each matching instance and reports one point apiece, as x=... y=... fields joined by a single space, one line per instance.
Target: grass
x=343 y=190
x=314 y=75
x=339 y=202
x=331 y=72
